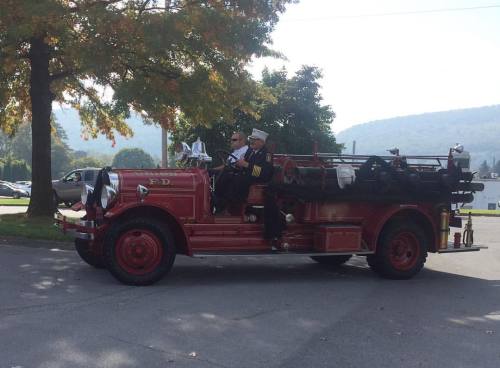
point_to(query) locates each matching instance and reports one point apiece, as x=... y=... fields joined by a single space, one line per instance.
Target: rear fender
x=408 y=213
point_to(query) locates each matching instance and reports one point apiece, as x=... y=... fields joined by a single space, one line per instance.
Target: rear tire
x=401 y=251
x=89 y=257
x=139 y=251
x=332 y=260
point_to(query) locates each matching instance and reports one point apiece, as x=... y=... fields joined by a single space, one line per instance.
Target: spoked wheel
x=139 y=251
x=401 y=251
x=332 y=260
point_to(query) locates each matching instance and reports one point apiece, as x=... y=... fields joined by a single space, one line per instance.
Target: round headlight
x=87 y=190
x=108 y=195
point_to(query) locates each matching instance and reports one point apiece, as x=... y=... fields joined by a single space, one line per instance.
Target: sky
x=388 y=58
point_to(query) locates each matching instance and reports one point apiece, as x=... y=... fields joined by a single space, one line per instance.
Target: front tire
x=401 y=251
x=139 y=251
x=332 y=261
x=89 y=257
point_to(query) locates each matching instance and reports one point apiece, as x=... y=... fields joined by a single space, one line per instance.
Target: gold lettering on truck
x=163 y=182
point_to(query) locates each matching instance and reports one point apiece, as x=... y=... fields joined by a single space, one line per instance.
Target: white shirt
x=239 y=153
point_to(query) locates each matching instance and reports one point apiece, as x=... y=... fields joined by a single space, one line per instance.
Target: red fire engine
x=392 y=209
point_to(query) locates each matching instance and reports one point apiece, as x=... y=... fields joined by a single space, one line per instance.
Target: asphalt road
x=251 y=312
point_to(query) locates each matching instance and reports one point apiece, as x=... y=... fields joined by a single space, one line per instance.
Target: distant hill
x=478 y=129
x=146 y=137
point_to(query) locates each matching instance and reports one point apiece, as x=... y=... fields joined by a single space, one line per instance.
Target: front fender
x=158 y=212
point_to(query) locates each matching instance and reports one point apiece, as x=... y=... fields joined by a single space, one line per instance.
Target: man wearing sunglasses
x=239 y=147
x=256 y=167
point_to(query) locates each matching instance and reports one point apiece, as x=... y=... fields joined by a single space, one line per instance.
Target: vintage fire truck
x=392 y=209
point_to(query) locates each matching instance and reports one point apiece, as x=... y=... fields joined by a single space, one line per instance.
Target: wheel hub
x=139 y=251
x=404 y=251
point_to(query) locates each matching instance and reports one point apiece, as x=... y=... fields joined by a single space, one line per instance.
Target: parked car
x=25 y=185
x=10 y=190
x=68 y=189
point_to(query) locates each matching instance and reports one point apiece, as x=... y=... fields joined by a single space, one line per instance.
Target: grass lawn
x=481 y=212
x=33 y=228
x=14 y=202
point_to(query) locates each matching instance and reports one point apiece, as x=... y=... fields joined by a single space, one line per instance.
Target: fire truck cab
x=392 y=209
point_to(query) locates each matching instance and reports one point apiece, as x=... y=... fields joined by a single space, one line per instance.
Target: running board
x=473 y=248
x=277 y=252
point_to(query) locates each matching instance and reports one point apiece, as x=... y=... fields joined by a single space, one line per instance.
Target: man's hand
x=242 y=163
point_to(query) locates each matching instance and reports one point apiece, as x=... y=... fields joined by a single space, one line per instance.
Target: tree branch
x=63 y=74
x=77 y=8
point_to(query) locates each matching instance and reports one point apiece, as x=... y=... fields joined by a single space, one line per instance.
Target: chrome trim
x=142 y=192
x=108 y=195
x=84 y=236
x=84 y=195
x=87 y=223
x=69 y=220
x=114 y=181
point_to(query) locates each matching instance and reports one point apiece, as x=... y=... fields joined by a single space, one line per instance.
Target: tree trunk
x=41 y=203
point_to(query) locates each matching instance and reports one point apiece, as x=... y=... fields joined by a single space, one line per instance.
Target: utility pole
x=353 y=147
x=164 y=131
x=164 y=147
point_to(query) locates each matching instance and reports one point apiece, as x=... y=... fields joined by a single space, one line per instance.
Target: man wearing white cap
x=256 y=168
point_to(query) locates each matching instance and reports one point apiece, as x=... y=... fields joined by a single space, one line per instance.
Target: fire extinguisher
x=444 y=228
x=468 y=237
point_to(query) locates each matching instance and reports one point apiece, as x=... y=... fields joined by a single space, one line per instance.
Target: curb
x=36 y=243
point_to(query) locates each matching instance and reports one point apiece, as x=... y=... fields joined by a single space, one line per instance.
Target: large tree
x=133 y=158
x=18 y=147
x=107 y=57
x=295 y=116
x=484 y=169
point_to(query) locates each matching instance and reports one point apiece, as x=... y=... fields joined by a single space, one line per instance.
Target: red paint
x=138 y=251
x=181 y=199
x=404 y=251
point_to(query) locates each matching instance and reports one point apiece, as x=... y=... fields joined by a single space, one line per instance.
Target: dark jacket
x=260 y=167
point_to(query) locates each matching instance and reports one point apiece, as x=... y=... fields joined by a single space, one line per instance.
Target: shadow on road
x=269 y=311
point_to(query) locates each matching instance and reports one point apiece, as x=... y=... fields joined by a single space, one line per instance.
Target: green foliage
x=12 y=169
x=294 y=117
x=19 y=225
x=158 y=57
x=87 y=161
x=188 y=56
x=18 y=146
x=496 y=168
x=61 y=158
x=484 y=169
x=133 y=158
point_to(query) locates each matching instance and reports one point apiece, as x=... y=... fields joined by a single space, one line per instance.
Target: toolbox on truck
x=337 y=238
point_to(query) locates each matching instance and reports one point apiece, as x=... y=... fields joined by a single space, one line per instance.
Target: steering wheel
x=223 y=155
x=228 y=166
